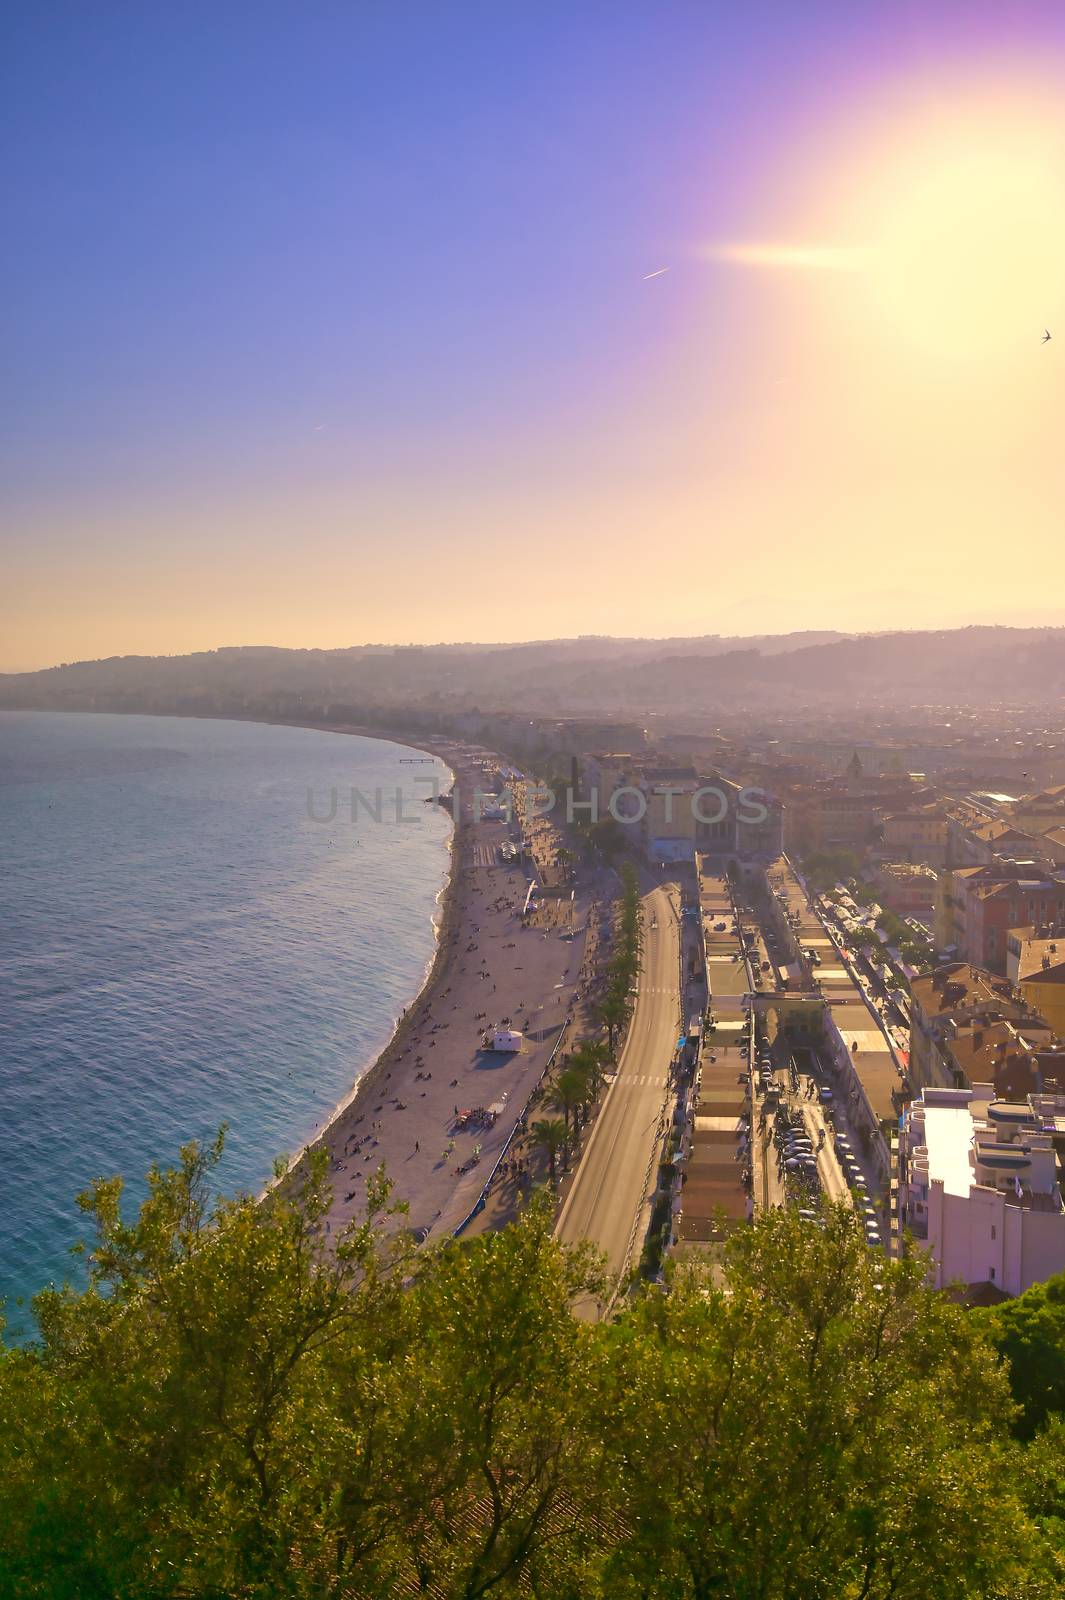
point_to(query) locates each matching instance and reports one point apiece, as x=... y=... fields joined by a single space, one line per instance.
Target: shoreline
x=404 y=1095
x=403 y=1105
x=438 y=922
x=435 y=967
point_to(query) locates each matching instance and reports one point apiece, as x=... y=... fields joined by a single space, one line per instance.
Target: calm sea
x=181 y=945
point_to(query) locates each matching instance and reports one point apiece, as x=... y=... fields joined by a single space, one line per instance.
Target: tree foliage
x=624 y=966
x=1030 y=1332
x=241 y=1404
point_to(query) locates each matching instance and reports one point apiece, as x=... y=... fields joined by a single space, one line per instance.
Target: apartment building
x=1037 y=813
x=670 y=801
x=1003 y=1053
x=1035 y=963
x=945 y=1002
x=977 y=906
x=604 y=775
x=1052 y=843
x=739 y=819
x=918 y=835
x=849 y=811
x=673 y=810
x=909 y=889
x=1033 y=948
x=980 y=1186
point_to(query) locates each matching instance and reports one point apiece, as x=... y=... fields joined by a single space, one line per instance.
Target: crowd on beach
x=439 y=1105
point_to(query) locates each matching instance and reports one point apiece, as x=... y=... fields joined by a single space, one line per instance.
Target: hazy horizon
x=740 y=640
x=462 y=321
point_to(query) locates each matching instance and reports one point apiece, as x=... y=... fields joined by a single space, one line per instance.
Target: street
x=611 y=1183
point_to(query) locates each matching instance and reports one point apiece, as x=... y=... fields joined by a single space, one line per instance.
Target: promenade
x=494 y=967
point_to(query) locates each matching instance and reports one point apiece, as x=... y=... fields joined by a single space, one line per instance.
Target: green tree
x=550 y=1135
x=590 y=1057
x=612 y=1012
x=177 y=1415
x=571 y=1093
x=495 y=1416
x=1030 y=1333
x=242 y=1403
x=568 y=1095
x=818 y=1425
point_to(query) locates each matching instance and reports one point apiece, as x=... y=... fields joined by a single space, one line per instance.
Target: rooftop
x=1041 y=974
x=948 y=1137
x=957 y=985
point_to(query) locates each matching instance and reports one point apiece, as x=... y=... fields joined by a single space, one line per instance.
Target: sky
x=333 y=323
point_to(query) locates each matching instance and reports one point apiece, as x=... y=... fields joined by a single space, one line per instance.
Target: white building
x=979 y=1183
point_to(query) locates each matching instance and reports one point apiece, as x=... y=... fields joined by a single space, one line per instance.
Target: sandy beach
x=436 y=1108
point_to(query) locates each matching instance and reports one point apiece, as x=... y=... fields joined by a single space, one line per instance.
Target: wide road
x=610 y=1184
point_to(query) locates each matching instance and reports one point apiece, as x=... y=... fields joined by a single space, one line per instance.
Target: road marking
x=602 y=1121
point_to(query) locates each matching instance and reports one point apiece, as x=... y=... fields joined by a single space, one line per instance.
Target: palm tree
x=590 y=1058
x=550 y=1135
x=588 y=1080
x=613 y=1010
x=569 y=1094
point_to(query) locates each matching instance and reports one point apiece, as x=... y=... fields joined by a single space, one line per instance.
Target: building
x=1053 y=844
x=943 y=1003
x=730 y=820
x=1033 y=948
x=829 y=816
x=1037 y=813
x=1035 y=963
x=670 y=811
x=603 y=775
x=909 y=889
x=757 y=838
x=1002 y=1053
x=977 y=906
x=849 y=811
x=965 y=847
x=917 y=835
x=1044 y=991
x=712 y=1185
x=980 y=1186
x=574 y=736
x=668 y=820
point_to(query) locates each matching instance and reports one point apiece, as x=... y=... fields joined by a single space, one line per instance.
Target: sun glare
x=953 y=220
x=965 y=224
x=802 y=258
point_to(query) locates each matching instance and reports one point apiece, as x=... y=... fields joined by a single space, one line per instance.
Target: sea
x=200 y=922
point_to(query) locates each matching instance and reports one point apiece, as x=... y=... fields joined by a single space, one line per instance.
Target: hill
x=575 y=676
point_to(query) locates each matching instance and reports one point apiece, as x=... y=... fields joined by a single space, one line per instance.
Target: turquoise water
x=181 y=944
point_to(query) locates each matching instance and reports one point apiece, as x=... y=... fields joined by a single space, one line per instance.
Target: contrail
x=657 y=274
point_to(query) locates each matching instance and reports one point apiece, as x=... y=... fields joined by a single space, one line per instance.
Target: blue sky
x=299 y=287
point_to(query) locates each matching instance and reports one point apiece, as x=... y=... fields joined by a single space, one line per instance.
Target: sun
x=964 y=223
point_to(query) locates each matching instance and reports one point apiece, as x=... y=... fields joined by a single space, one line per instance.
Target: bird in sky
x=1046 y=336
x=656 y=274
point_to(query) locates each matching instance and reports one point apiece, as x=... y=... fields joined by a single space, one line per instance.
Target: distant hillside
x=575 y=676
x=977 y=664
